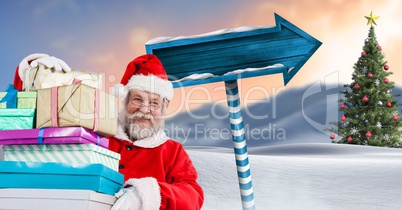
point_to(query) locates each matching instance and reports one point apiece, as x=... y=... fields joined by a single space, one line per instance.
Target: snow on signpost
x=231 y=54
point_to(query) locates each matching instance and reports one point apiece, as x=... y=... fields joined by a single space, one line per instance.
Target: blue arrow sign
x=231 y=56
x=219 y=54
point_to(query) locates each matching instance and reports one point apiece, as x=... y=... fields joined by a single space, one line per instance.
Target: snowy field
x=304 y=176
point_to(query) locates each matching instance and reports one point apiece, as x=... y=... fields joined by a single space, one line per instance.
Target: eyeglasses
x=138 y=102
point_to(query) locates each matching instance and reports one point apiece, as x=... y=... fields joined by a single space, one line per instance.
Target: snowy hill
x=304 y=176
x=297 y=118
x=303 y=170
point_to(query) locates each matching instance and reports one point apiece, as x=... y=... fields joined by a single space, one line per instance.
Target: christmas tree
x=370 y=111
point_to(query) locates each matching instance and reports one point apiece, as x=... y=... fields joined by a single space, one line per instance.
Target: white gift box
x=50 y=199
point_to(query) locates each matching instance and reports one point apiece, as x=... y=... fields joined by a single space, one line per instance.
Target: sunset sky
x=104 y=36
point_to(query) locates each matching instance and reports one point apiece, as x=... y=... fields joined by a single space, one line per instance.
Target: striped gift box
x=62 y=153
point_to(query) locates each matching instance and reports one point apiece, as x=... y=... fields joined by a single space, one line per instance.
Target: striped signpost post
x=230 y=55
x=239 y=145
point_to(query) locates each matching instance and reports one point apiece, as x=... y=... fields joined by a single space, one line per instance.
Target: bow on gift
x=11 y=97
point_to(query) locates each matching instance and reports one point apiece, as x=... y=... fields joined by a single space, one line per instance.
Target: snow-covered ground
x=304 y=176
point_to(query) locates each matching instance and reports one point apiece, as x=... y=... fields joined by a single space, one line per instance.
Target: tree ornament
x=354 y=130
x=395 y=118
x=389 y=104
x=368 y=134
x=364 y=70
x=357 y=86
x=353 y=74
x=332 y=136
x=343 y=117
x=386 y=80
x=379 y=103
x=366 y=41
x=342 y=106
x=364 y=53
x=379 y=125
x=350 y=139
x=379 y=48
x=365 y=99
x=357 y=116
x=371 y=19
x=387 y=136
x=370 y=75
x=377 y=82
x=386 y=67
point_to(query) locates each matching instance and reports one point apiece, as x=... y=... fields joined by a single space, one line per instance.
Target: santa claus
x=158 y=172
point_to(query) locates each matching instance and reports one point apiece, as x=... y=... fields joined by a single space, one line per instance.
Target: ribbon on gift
x=40 y=135
x=42 y=131
x=11 y=97
x=54 y=107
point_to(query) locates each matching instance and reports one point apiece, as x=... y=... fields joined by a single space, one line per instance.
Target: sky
x=104 y=36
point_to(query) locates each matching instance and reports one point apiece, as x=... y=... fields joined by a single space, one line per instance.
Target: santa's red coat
x=173 y=181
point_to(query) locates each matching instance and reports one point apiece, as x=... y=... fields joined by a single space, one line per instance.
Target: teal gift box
x=25 y=100
x=38 y=175
x=16 y=119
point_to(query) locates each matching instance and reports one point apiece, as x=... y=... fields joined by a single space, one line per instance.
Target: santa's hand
x=51 y=62
x=127 y=199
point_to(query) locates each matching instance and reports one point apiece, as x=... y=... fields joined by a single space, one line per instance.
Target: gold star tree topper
x=371 y=19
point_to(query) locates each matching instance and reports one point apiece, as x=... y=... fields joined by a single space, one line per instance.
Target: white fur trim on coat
x=152 y=84
x=149 y=192
x=151 y=142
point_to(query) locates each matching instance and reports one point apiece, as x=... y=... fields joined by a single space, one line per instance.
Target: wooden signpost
x=232 y=54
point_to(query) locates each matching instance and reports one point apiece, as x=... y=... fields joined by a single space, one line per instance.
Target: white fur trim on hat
x=152 y=84
x=148 y=189
x=24 y=64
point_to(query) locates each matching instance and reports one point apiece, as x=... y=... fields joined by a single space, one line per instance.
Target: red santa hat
x=24 y=66
x=146 y=73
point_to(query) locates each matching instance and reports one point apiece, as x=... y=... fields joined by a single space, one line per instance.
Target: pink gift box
x=60 y=135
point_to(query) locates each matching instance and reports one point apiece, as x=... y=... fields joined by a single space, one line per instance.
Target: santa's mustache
x=139 y=115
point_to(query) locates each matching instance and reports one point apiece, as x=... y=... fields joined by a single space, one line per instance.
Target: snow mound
x=304 y=176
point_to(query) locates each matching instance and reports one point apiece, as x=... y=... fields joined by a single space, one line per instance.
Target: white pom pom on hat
x=146 y=73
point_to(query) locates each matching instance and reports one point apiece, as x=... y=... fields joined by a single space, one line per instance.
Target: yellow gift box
x=77 y=105
x=41 y=77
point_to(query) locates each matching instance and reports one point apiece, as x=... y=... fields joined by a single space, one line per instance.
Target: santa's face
x=144 y=114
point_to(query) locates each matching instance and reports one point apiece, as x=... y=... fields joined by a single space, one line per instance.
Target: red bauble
x=386 y=67
x=370 y=75
x=342 y=106
x=386 y=80
x=368 y=134
x=363 y=53
x=395 y=118
x=357 y=86
x=389 y=104
x=379 y=47
x=332 y=136
x=365 y=99
x=343 y=118
x=350 y=139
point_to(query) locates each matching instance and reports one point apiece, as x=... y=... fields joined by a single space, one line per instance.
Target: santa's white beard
x=140 y=130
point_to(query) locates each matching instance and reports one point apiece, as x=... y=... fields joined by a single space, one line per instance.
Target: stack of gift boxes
x=55 y=154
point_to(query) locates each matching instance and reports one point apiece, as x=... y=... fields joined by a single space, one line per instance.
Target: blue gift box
x=96 y=177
